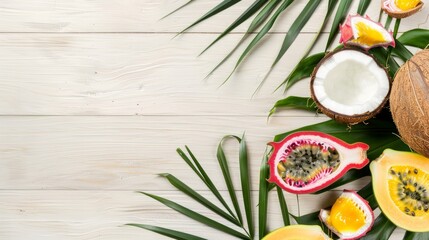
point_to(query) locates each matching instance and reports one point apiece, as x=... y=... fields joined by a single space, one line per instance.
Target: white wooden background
x=96 y=95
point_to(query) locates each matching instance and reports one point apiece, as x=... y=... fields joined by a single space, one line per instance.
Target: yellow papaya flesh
x=297 y=232
x=401 y=184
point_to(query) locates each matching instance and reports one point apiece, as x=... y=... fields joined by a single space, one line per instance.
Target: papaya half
x=401 y=184
x=297 y=232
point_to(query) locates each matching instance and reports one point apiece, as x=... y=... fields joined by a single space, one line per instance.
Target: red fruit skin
x=277 y=145
x=346 y=31
x=372 y=217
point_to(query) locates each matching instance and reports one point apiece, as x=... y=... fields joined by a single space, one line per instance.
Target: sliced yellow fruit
x=406 y=4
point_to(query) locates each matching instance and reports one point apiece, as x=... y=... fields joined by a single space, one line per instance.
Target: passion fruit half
x=350 y=217
x=305 y=162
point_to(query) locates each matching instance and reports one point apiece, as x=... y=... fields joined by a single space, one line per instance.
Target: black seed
x=419 y=208
x=416 y=171
x=413 y=213
x=415 y=184
x=392 y=172
x=407 y=209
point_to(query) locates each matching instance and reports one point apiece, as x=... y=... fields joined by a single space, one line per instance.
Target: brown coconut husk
x=409 y=102
x=402 y=14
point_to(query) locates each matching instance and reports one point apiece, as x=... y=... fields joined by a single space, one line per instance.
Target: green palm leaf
x=401 y=51
x=223 y=163
x=302 y=70
x=381 y=230
x=264 y=187
x=283 y=206
x=166 y=232
x=197 y=197
x=245 y=185
x=201 y=173
x=418 y=38
x=296 y=28
x=258 y=4
x=416 y=236
x=177 y=9
x=261 y=34
x=305 y=103
x=342 y=11
x=363 y=6
x=217 y=9
x=196 y=216
x=260 y=18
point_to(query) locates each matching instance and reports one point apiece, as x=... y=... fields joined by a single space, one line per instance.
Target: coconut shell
x=348 y=119
x=409 y=102
x=402 y=14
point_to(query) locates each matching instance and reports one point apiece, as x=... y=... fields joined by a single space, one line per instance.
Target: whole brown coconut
x=409 y=102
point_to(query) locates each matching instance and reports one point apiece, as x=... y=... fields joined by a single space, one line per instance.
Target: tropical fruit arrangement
x=376 y=91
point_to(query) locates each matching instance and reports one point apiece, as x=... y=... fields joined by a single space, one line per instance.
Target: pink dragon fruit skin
x=347 y=34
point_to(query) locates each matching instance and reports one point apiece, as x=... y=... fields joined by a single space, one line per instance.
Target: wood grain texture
x=95 y=96
x=125 y=152
x=129 y=74
x=61 y=214
x=145 y=16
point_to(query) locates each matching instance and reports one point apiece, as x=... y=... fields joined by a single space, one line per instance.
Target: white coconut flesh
x=347 y=156
x=364 y=207
x=350 y=83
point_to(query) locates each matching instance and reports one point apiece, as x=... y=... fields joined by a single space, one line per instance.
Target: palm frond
x=296 y=28
x=177 y=9
x=363 y=6
x=225 y=4
x=381 y=230
x=197 y=197
x=283 y=206
x=237 y=219
x=418 y=38
x=245 y=185
x=258 y=4
x=305 y=103
x=197 y=216
x=261 y=34
x=260 y=18
x=263 y=195
x=341 y=14
x=329 y=11
x=223 y=163
x=201 y=173
x=302 y=70
x=416 y=236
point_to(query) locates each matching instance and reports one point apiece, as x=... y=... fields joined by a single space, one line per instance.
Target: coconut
x=350 y=86
x=409 y=102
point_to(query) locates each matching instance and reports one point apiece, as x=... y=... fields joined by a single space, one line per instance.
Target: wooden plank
x=101 y=215
x=129 y=74
x=145 y=16
x=126 y=152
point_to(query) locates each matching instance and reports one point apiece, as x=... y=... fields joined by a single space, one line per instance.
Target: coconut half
x=349 y=86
